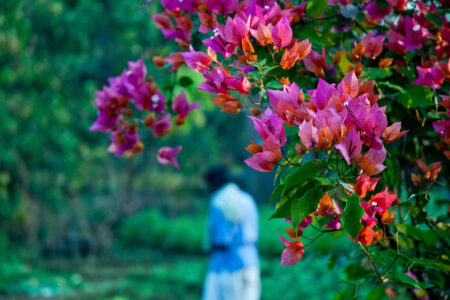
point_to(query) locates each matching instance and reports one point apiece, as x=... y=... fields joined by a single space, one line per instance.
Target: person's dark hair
x=217 y=176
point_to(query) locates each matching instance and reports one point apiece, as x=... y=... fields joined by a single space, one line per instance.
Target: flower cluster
x=132 y=92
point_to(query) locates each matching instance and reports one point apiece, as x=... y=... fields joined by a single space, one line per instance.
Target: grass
x=161 y=258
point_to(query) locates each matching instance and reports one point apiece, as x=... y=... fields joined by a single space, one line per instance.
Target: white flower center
x=155 y=98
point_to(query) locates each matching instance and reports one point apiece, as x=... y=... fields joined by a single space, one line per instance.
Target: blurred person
x=232 y=235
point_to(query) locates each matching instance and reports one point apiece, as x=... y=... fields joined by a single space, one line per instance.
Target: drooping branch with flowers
x=328 y=86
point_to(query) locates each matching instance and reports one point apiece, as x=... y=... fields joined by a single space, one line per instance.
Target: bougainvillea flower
x=364 y=184
x=219 y=80
x=443 y=128
x=316 y=62
x=270 y=124
x=376 y=13
x=350 y=146
x=334 y=224
x=286 y=103
x=398 y=4
x=162 y=20
x=365 y=236
x=263 y=34
x=374 y=126
x=124 y=140
x=415 y=34
x=308 y=134
x=219 y=44
x=368 y=218
x=393 y=133
x=265 y=160
x=349 y=84
x=387 y=217
x=282 y=33
x=110 y=105
x=325 y=206
x=166 y=155
x=184 y=5
x=161 y=125
x=293 y=252
x=176 y=60
x=227 y=103
x=373 y=45
x=432 y=171
x=372 y=161
x=303 y=49
x=207 y=22
x=234 y=30
x=431 y=77
x=196 y=60
x=182 y=107
x=147 y=98
x=222 y=7
x=382 y=201
x=289 y=58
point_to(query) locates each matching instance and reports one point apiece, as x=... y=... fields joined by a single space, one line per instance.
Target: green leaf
x=306 y=171
x=274 y=84
x=407 y=280
x=376 y=73
x=276 y=192
x=435 y=19
x=315 y=8
x=416 y=96
x=309 y=32
x=377 y=294
x=351 y=217
x=185 y=81
x=354 y=272
x=302 y=207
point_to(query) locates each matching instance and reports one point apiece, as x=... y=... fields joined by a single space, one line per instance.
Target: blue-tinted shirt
x=233 y=225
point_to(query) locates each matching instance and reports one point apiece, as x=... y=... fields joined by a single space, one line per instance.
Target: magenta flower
x=308 y=134
x=270 y=124
x=375 y=12
x=184 y=5
x=431 y=77
x=161 y=125
x=166 y=155
x=282 y=33
x=182 y=107
x=110 y=105
x=268 y=157
x=415 y=34
x=334 y=224
x=350 y=146
x=219 y=80
x=398 y=4
x=372 y=161
x=221 y=7
x=322 y=94
x=293 y=252
x=373 y=45
x=443 y=128
x=349 y=84
x=234 y=31
x=316 y=62
x=374 y=126
x=196 y=60
x=123 y=141
x=287 y=103
x=176 y=60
